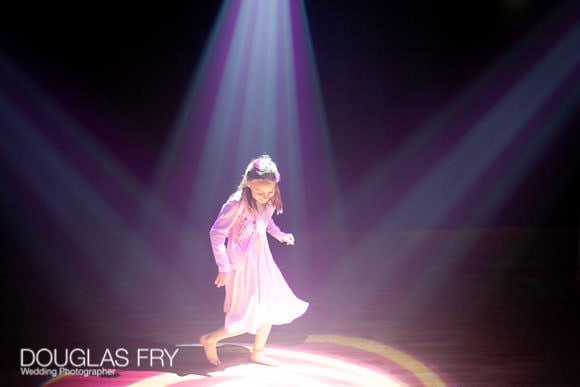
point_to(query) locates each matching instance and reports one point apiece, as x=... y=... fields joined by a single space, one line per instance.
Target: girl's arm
x=274 y=230
x=220 y=230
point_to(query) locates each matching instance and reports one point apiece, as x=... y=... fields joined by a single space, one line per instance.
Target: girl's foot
x=209 y=347
x=258 y=356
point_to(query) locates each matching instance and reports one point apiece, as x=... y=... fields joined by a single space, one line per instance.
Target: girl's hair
x=261 y=168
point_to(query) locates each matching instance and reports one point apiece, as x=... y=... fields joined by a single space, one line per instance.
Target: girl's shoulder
x=236 y=200
x=234 y=205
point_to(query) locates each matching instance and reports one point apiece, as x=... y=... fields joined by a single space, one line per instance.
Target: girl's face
x=262 y=190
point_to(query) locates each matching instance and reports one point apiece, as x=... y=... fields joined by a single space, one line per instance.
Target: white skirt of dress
x=257 y=293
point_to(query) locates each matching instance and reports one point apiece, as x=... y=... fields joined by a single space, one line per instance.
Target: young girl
x=257 y=296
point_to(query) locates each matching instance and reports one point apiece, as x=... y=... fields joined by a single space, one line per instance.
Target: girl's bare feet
x=209 y=347
x=258 y=356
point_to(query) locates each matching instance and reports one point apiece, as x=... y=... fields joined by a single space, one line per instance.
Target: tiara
x=258 y=166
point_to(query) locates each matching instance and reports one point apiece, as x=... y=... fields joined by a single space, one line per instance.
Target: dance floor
x=424 y=354
x=322 y=360
x=518 y=331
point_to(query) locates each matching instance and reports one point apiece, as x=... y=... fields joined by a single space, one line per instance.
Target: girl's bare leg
x=259 y=344
x=210 y=340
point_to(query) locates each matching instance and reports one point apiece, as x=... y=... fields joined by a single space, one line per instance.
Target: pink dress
x=256 y=292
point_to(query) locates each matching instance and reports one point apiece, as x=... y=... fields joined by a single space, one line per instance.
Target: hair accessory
x=257 y=164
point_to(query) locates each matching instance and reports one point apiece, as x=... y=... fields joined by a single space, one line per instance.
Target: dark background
x=122 y=70
x=384 y=68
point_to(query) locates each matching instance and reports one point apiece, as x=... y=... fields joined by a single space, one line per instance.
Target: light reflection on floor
x=322 y=360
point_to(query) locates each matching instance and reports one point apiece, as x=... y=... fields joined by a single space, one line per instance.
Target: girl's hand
x=288 y=239
x=222 y=279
